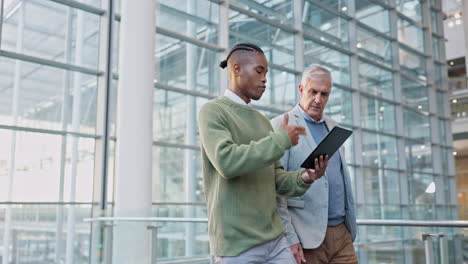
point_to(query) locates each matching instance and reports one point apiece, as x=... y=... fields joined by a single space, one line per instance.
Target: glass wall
x=387 y=64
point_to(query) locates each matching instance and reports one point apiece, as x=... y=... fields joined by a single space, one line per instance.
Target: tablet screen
x=328 y=146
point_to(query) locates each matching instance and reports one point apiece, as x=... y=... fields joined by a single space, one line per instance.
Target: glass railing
x=38 y=232
x=379 y=241
x=37 y=235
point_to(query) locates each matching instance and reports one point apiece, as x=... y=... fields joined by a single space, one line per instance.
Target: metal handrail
x=435 y=223
x=371 y=222
x=146 y=219
x=426 y=238
x=96 y=203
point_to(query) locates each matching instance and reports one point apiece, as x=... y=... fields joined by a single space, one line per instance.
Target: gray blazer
x=305 y=218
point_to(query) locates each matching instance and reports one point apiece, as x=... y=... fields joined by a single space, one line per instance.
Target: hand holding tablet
x=328 y=146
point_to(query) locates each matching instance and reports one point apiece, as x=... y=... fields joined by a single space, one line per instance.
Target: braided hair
x=240 y=46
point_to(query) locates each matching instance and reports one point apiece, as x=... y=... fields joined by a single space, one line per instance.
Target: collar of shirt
x=309 y=118
x=234 y=97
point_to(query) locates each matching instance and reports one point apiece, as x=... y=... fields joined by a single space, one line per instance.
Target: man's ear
x=236 y=69
x=301 y=88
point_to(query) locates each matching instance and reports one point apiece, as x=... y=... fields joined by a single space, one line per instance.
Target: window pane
x=446 y=154
x=381 y=186
x=450 y=188
x=441 y=102
x=435 y=48
x=277 y=44
x=418 y=156
x=338 y=5
x=36 y=172
x=380 y=211
x=349 y=148
x=416 y=125
x=379 y=150
x=171 y=116
x=281 y=90
x=280 y=10
x=410 y=8
x=418 y=211
x=413 y=63
x=414 y=93
x=333 y=60
x=373 y=15
x=339 y=106
x=410 y=34
x=377 y=114
x=32 y=243
x=39 y=28
x=193 y=20
x=421 y=189
x=40 y=92
x=439 y=76
x=375 y=80
x=168 y=173
x=435 y=22
x=373 y=47
x=330 y=27
x=187 y=66
x=442 y=132
x=435 y=3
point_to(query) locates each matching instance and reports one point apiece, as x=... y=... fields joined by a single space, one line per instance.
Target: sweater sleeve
x=289 y=184
x=230 y=159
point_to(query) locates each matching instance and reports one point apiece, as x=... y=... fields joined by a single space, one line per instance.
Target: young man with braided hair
x=241 y=169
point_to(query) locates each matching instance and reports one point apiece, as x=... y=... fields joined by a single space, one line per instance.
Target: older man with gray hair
x=321 y=224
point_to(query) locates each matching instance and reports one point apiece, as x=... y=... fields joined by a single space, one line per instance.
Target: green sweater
x=242 y=175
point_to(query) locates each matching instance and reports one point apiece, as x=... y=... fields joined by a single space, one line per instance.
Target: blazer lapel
x=305 y=149
x=331 y=124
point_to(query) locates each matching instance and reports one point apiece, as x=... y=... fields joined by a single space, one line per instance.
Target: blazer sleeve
x=291 y=234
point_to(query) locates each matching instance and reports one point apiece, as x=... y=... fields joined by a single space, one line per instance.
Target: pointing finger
x=285 y=119
x=300 y=130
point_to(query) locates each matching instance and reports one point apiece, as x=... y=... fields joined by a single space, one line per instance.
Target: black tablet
x=328 y=146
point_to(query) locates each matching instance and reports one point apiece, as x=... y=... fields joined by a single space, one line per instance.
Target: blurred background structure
x=400 y=83
x=455 y=25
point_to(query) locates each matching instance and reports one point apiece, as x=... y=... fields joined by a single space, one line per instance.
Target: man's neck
x=242 y=96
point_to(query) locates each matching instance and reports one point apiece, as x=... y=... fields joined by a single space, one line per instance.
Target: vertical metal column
x=154 y=243
x=356 y=115
x=356 y=106
x=403 y=178
x=107 y=229
x=100 y=187
x=298 y=44
x=133 y=179
x=63 y=144
x=190 y=126
x=428 y=248
x=443 y=249
x=223 y=41
x=15 y=111
x=75 y=127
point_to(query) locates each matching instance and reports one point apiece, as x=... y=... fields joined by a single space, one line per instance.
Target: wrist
x=306 y=178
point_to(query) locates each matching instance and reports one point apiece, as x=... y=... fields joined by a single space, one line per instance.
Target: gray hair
x=315 y=71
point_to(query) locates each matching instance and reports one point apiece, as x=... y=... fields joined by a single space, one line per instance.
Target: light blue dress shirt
x=334 y=173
